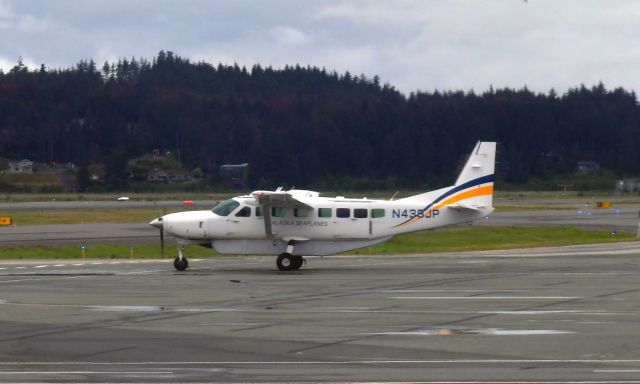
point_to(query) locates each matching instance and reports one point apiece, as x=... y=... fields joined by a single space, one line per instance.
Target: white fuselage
x=329 y=219
x=299 y=222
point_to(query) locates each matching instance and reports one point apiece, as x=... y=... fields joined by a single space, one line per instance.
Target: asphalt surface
x=107 y=204
x=568 y=314
x=77 y=234
x=625 y=219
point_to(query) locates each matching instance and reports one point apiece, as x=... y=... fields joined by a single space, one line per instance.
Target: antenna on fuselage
x=394 y=196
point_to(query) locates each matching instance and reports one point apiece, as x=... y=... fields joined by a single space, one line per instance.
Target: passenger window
x=324 y=212
x=278 y=212
x=300 y=212
x=343 y=212
x=244 y=212
x=377 y=213
x=360 y=213
x=259 y=212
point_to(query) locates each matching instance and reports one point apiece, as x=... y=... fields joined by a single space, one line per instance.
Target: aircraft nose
x=156 y=223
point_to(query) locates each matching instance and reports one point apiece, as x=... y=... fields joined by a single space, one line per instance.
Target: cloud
x=288 y=36
x=6 y=12
x=411 y=44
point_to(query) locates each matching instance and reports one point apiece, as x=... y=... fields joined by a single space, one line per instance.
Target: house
x=234 y=169
x=627 y=185
x=161 y=176
x=236 y=174
x=22 y=166
x=584 y=167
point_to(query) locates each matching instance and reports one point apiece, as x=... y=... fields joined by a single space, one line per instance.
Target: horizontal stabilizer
x=460 y=207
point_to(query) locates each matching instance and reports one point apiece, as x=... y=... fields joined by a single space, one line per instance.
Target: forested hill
x=304 y=126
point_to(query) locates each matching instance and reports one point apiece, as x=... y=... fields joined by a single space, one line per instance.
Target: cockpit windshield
x=226 y=207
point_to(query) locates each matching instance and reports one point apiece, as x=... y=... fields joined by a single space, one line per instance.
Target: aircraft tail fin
x=481 y=162
x=477 y=176
x=473 y=190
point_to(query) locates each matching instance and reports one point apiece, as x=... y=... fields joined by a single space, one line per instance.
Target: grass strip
x=487 y=238
x=447 y=240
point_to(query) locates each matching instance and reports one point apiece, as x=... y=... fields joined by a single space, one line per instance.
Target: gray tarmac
x=107 y=204
x=625 y=219
x=78 y=234
x=569 y=314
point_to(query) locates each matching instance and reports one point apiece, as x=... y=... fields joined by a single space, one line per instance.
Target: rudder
x=478 y=173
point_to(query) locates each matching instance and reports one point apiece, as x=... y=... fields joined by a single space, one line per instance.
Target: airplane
x=296 y=223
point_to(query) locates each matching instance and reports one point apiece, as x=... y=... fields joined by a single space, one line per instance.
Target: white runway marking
x=541 y=312
x=40 y=266
x=319 y=362
x=486 y=297
x=616 y=370
x=60 y=265
x=490 y=331
x=86 y=373
x=450 y=290
x=229 y=324
x=156 y=308
x=153 y=308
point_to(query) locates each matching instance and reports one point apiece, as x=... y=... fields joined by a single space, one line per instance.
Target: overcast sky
x=411 y=44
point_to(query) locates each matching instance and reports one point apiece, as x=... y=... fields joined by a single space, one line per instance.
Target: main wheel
x=297 y=262
x=285 y=262
x=180 y=265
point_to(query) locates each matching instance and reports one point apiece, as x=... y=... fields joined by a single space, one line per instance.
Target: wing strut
x=280 y=198
x=266 y=207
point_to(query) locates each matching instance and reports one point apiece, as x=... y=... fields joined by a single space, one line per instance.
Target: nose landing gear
x=180 y=263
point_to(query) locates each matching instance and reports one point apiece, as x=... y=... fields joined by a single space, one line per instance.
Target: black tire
x=285 y=262
x=180 y=265
x=297 y=262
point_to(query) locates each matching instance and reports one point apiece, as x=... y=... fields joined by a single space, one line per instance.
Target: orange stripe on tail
x=486 y=190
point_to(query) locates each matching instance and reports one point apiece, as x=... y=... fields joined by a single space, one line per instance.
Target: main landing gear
x=181 y=263
x=288 y=262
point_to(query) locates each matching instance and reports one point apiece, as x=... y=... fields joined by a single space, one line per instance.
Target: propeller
x=162 y=243
x=158 y=224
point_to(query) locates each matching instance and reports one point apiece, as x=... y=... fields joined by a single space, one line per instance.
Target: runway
x=567 y=314
x=625 y=219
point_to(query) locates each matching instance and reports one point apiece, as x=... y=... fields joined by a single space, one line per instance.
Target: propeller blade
x=162 y=243
x=158 y=224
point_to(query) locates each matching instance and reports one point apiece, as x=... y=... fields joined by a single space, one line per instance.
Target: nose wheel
x=180 y=263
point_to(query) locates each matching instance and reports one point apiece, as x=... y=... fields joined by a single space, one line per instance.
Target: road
x=136 y=233
x=110 y=204
x=544 y=315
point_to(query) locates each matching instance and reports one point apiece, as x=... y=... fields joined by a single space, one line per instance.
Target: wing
x=279 y=198
x=285 y=199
